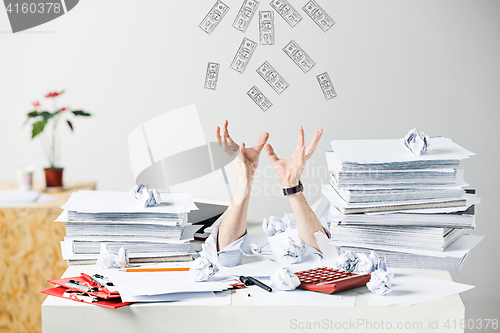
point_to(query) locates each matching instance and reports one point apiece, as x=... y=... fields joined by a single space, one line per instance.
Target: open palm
x=288 y=170
x=248 y=157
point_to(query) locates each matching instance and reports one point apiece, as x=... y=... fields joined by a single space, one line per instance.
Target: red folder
x=66 y=293
x=101 y=293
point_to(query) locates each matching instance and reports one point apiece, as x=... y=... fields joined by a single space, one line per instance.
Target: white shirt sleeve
x=229 y=256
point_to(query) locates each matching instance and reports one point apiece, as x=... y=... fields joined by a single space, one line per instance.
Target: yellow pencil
x=171 y=269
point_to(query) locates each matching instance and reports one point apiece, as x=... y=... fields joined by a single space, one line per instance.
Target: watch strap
x=293 y=190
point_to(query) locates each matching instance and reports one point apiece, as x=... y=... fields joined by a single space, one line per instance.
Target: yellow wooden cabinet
x=30 y=254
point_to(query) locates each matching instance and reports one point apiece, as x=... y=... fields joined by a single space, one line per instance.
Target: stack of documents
x=150 y=234
x=385 y=198
x=451 y=259
x=381 y=175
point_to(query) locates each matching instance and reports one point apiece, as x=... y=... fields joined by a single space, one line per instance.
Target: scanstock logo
x=26 y=14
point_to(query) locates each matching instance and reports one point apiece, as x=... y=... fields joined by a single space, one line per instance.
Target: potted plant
x=50 y=138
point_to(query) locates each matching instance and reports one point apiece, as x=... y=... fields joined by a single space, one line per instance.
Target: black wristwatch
x=293 y=190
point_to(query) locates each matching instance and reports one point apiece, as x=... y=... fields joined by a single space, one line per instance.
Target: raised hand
x=247 y=159
x=288 y=170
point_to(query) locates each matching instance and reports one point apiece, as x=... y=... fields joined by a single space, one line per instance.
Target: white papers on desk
x=297 y=297
x=256 y=269
x=202 y=298
x=219 y=298
x=410 y=289
x=160 y=283
x=9 y=198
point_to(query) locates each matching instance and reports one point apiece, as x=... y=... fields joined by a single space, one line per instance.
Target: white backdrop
x=395 y=65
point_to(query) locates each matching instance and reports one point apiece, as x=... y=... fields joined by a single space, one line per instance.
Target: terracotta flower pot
x=53 y=177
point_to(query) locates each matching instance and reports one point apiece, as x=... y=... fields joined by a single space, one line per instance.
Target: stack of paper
x=384 y=197
x=451 y=259
x=381 y=175
x=150 y=234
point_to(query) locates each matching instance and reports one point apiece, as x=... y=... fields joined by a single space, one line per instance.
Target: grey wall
x=395 y=65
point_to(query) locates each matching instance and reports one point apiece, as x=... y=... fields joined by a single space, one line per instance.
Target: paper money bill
x=275 y=80
x=214 y=16
x=299 y=57
x=318 y=15
x=247 y=10
x=259 y=98
x=287 y=12
x=243 y=55
x=326 y=85
x=212 y=75
x=266 y=27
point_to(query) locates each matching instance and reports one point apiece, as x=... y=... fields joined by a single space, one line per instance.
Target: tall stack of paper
x=150 y=234
x=383 y=197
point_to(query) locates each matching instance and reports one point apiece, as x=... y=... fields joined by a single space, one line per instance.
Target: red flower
x=36 y=104
x=54 y=94
x=63 y=109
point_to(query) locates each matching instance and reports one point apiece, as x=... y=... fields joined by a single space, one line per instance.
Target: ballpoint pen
x=248 y=281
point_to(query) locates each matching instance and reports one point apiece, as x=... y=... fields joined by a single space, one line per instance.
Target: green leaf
x=81 y=113
x=46 y=115
x=38 y=128
x=69 y=124
x=33 y=114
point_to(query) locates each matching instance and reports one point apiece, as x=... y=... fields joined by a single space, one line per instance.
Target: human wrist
x=245 y=181
x=288 y=183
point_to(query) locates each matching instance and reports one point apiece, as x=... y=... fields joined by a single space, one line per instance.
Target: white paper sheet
x=257 y=269
x=329 y=250
x=122 y=202
x=297 y=297
x=410 y=289
x=158 y=283
x=219 y=298
x=386 y=151
x=173 y=297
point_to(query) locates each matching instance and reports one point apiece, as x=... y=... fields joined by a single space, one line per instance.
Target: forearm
x=307 y=222
x=234 y=224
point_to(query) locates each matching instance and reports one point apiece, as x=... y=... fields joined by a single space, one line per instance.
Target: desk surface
x=60 y=315
x=61 y=196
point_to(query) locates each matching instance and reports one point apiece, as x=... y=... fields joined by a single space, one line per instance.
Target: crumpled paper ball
x=382 y=264
x=284 y=279
x=203 y=269
x=418 y=144
x=365 y=265
x=380 y=282
x=347 y=261
x=289 y=221
x=292 y=251
x=145 y=196
x=273 y=226
x=109 y=259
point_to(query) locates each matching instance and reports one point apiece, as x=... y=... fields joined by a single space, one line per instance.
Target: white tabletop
x=61 y=315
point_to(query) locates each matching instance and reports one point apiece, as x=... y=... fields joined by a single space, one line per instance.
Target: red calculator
x=328 y=280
